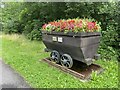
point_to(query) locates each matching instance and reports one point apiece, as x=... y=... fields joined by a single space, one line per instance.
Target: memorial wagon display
x=72 y=39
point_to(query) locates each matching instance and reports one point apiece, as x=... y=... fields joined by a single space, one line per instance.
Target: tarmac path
x=9 y=78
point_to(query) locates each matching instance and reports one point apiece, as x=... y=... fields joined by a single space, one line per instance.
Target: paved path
x=9 y=78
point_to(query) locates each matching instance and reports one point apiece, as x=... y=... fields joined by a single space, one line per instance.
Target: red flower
x=71 y=26
x=91 y=25
x=44 y=26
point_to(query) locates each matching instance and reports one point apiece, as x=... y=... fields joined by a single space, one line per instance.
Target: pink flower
x=44 y=26
x=91 y=25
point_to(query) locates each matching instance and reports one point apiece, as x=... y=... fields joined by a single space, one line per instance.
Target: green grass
x=24 y=55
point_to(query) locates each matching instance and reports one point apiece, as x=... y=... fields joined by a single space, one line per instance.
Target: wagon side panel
x=69 y=45
x=89 y=46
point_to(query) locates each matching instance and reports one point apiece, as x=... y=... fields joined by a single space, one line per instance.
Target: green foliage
x=32 y=30
x=34 y=35
x=110 y=33
x=10 y=17
x=108 y=53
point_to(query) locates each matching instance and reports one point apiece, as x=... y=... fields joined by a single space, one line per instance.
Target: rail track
x=79 y=69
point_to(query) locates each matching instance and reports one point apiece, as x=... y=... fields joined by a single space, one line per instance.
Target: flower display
x=73 y=25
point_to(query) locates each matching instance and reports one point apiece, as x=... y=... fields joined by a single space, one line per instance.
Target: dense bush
x=28 y=18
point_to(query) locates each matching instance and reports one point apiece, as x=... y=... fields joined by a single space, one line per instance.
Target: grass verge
x=24 y=55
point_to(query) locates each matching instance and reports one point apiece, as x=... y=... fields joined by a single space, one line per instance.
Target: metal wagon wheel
x=55 y=56
x=66 y=61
